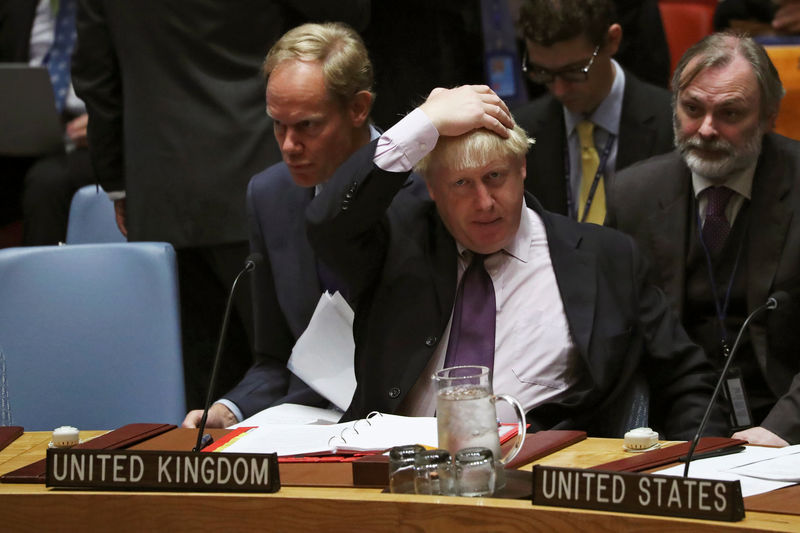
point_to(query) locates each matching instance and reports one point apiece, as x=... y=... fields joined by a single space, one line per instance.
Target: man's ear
x=430 y=189
x=524 y=168
x=769 y=123
x=613 y=39
x=359 y=108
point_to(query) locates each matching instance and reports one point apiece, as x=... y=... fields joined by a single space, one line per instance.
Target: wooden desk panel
x=300 y=509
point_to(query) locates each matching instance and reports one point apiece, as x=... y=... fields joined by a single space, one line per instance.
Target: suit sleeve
x=680 y=376
x=783 y=418
x=97 y=81
x=347 y=226
x=268 y=382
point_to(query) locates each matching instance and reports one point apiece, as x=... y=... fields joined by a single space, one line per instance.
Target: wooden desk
x=301 y=509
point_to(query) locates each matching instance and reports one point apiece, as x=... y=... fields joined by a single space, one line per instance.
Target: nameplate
x=162 y=471
x=628 y=492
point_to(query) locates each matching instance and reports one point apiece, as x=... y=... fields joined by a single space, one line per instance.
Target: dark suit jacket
x=651 y=201
x=285 y=290
x=645 y=129
x=176 y=106
x=401 y=263
x=16 y=22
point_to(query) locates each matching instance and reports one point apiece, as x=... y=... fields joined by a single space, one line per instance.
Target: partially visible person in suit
x=177 y=128
x=416 y=45
x=718 y=219
x=483 y=274
x=319 y=95
x=597 y=117
x=782 y=15
x=41 y=34
x=643 y=50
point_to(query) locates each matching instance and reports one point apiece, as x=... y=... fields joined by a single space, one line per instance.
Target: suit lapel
x=771 y=211
x=444 y=266
x=636 y=125
x=296 y=282
x=573 y=268
x=667 y=230
x=545 y=173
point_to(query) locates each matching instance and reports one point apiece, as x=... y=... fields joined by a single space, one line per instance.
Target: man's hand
x=457 y=111
x=787 y=18
x=76 y=130
x=119 y=212
x=761 y=436
x=219 y=416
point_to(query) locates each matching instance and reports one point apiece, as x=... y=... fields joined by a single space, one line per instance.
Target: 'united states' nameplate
x=628 y=492
x=167 y=471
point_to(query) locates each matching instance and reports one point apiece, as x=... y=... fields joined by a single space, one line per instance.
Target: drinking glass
x=401 y=468
x=475 y=472
x=466 y=415
x=434 y=472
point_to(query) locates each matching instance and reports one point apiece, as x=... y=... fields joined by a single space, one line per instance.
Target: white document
x=323 y=356
x=784 y=465
x=291 y=413
x=723 y=468
x=378 y=433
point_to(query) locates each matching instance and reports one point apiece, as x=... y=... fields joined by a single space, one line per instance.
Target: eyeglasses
x=542 y=75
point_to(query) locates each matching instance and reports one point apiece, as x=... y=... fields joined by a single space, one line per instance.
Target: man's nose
x=483 y=198
x=291 y=143
x=559 y=87
x=708 y=129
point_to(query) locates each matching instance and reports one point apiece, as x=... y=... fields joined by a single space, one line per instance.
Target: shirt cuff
x=405 y=143
x=233 y=407
x=116 y=195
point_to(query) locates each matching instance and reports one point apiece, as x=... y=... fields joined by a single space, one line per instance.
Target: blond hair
x=474 y=149
x=346 y=67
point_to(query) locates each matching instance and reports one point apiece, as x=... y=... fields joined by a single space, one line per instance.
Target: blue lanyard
x=571 y=210
x=720 y=305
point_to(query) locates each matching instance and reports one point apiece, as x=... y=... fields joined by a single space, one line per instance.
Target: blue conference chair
x=90 y=335
x=91 y=218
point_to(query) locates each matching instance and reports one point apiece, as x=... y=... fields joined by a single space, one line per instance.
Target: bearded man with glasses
x=596 y=118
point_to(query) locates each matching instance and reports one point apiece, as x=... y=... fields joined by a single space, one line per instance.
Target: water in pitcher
x=467 y=418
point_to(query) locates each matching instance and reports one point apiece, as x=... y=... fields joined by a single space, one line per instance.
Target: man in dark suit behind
x=46 y=183
x=719 y=219
x=319 y=95
x=569 y=48
x=177 y=128
x=571 y=320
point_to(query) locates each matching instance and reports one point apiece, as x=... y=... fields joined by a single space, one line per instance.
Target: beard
x=729 y=158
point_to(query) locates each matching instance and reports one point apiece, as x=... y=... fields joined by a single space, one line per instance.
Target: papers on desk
x=783 y=466
x=323 y=355
x=758 y=469
x=291 y=413
x=378 y=433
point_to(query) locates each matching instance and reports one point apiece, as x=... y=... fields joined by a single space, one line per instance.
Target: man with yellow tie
x=596 y=118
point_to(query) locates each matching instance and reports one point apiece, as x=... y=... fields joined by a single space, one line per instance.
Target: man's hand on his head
x=761 y=436
x=457 y=111
x=219 y=416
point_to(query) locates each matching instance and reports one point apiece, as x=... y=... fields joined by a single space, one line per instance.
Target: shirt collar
x=741 y=181
x=608 y=113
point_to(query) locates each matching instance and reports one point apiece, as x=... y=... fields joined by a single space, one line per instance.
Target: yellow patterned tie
x=589 y=163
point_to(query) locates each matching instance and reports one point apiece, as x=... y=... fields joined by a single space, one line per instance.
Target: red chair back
x=685 y=22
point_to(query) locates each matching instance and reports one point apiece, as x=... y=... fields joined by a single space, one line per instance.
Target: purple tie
x=474 y=316
x=716 y=226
